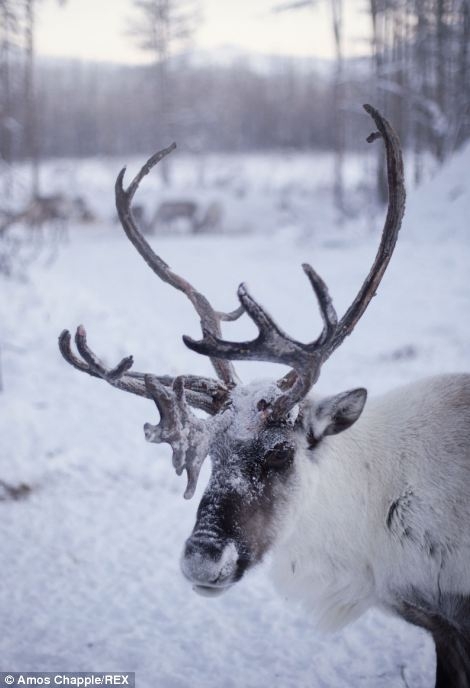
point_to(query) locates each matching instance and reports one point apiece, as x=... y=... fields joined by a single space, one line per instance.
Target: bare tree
x=421 y=53
x=338 y=104
x=420 y=58
x=9 y=86
x=162 y=27
x=19 y=135
x=30 y=123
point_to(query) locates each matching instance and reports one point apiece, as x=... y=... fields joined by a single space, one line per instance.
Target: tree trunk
x=30 y=101
x=338 y=106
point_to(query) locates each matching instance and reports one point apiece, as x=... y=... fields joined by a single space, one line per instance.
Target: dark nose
x=209 y=561
x=197 y=545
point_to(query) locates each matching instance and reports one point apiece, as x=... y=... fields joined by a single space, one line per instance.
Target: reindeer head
x=253 y=433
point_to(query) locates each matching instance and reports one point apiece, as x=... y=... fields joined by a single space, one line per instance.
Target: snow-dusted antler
x=272 y=344
x=178 y=426
x=187 y=435
x=201 y=392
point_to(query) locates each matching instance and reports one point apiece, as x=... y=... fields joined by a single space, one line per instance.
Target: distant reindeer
x=171 y=212
x=360 y=505
x=39 y=211
x=52 y=210
x=46 y=217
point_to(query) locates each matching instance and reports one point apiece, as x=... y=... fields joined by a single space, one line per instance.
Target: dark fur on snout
x=243 y=496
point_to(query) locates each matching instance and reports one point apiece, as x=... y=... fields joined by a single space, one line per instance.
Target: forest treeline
x=418 y=72
x=87 y=109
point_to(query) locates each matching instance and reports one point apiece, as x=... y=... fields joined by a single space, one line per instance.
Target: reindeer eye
x=279 y=456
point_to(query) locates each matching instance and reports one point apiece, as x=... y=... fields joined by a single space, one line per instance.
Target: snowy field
x=89 y=556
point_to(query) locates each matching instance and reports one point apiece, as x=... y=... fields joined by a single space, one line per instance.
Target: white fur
x=334 y=550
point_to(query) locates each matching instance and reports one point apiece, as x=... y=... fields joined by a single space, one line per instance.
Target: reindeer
x=170 y=212
x=360 y=505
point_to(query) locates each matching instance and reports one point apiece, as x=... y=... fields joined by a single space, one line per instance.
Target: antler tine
x=203 y=393
x=91 y=364
x=393 y=220
x=108 y=374
x=272 y=344
x=210 y=319
x=187 y=435
x=325 y=303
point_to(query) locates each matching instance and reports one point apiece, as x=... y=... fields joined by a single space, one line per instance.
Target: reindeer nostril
x=209 y=563
x=203 y=546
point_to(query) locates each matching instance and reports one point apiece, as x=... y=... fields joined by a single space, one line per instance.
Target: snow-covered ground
x=89 y=573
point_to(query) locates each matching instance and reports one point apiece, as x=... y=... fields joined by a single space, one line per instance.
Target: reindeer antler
x=201 y=392
x=272 y=344
x=210 y=318
x=180 y=428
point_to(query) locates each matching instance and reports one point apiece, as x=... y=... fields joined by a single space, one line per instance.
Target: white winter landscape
x=90 y=577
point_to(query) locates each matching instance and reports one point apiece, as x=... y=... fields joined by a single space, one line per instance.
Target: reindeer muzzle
x=210 y=565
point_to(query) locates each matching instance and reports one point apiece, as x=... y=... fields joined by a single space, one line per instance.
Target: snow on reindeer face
x=252 y=464
x=253 y=476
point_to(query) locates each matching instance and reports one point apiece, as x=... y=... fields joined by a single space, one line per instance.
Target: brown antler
x=272 y=344
x=203 y=393
x=187 y=435
x=210 y=318
x=178 y=426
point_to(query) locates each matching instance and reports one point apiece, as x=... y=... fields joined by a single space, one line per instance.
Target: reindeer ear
x=333 y=414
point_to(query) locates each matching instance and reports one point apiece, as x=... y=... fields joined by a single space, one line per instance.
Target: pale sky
x=96 y=29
